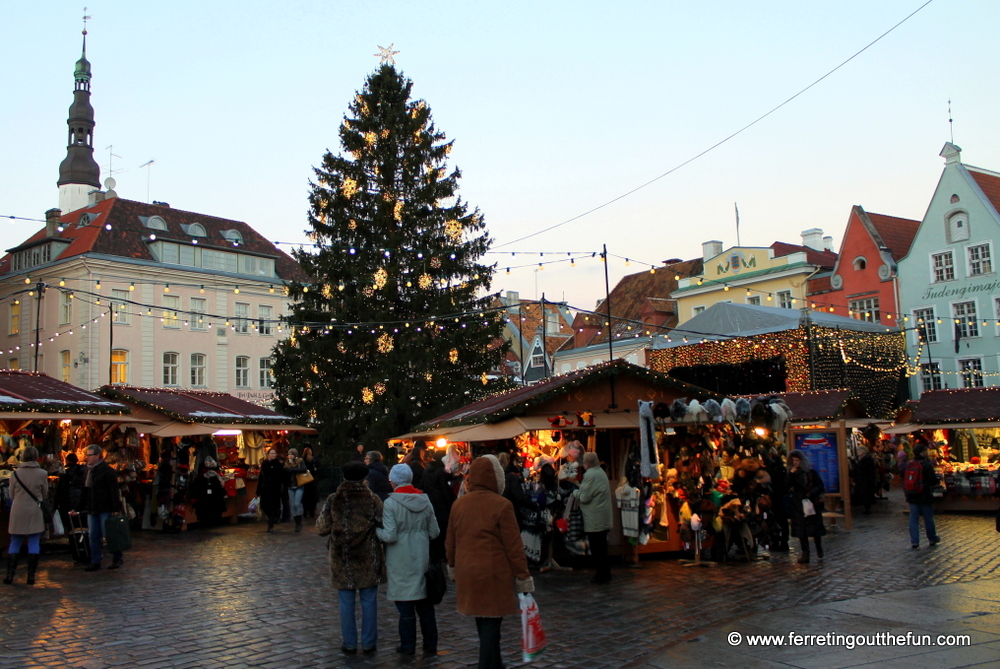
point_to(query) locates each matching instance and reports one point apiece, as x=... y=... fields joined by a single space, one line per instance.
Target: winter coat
x=294 y=467
x=513 y=490
x=209 y=497
x=25 y=516
x=269 y=486
x=484 y=545
x=865 y=479
x=103 y=496
x=378 y=480
x=930 y=480
x=595 y=500
x=408 y=525
x=417 y=467
x=437 y=487
x=70 y=488
x=350 y=517
x=806 y=484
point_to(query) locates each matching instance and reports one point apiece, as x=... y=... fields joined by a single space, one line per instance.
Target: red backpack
x=913 y=477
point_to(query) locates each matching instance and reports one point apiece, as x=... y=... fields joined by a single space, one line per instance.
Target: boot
x=298 y=523
x=804 y=559
x=270 y=525
x=32 y=568
x=12 y=561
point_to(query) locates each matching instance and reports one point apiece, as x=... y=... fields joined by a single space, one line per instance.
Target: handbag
x=43 y=504
x=807 y=508
x=436 y=582
x=304 y=478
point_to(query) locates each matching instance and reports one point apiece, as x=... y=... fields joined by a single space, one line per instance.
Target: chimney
x=513 y=298
x=52 y=222
x=710 y=249
x=813 y=238
x=828 y=243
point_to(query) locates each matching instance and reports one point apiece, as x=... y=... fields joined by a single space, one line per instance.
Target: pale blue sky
x=556 y=107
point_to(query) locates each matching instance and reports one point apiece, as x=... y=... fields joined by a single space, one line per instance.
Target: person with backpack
x=918 y=481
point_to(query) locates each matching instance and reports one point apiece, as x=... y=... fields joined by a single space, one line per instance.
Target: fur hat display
x=713 y=409
x=355 y=471
x=695 y=413
x=401 y=474
x=729 y=410
x=743 y=410
x=678 y=409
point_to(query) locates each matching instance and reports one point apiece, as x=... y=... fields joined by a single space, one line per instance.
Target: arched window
x=196 y=230
x=156 y=223
x=860 y=263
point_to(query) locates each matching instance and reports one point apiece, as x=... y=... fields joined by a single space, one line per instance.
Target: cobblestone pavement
x=235 y=597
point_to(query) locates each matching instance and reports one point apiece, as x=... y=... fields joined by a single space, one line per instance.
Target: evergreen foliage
x=396 y=274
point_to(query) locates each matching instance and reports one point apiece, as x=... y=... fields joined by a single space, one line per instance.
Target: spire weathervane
x=386 y=55
x=86 y=17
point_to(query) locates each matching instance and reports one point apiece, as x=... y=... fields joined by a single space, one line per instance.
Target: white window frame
x=945 y=268
x=123 y=316
x=869 y=311
x=971 y=267
x=970 y=372
x=119 y=368
x=969 y=322
x=198 y=373
x=241 y=318
x=784 y=299
x=242 y=369
x=14 y=319
x=171 y=311
x=198 y=306
x=754 y=300
x=171 y=368
x=930 y=376
x=265 y=318
x=265 y=377
x=931 y=330
x=65 y=308
x=65 y=365
x=697 y=310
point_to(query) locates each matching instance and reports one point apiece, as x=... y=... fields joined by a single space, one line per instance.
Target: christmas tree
x=396 y=325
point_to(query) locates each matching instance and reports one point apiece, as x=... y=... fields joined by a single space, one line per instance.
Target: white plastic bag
x=807 y=508
x=532 y=633
x=57 y=525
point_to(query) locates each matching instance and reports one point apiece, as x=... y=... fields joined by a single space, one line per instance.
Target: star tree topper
x=385 y=55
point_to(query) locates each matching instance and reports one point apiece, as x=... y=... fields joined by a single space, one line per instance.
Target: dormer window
x=156 y=223
x=958 y=227
x=860 y=263
x=195 y=230
x=84 y=221
x=233 y=236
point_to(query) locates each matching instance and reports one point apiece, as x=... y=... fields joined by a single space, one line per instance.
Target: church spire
x=79 y=173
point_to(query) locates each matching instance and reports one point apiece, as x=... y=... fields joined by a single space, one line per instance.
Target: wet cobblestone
x=237 y=597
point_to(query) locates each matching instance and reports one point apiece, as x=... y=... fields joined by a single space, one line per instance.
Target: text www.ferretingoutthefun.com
x=849 y=641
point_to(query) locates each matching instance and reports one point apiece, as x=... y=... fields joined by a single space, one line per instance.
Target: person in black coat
x=415 y=459
x=805 y=484
x=69 y=492
x=209 y=495
x=865 y=479
x=514 y=487
x=102 y=500
x=378 y=475
x=921 y=502
x=269 y=486
x=438 y=488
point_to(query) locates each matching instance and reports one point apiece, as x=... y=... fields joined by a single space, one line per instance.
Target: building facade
x=949 y=287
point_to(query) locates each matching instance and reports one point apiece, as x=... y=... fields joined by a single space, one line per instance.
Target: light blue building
x=949 y=286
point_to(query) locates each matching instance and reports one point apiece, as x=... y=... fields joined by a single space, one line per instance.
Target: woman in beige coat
x=486 y=556
x=26 y=520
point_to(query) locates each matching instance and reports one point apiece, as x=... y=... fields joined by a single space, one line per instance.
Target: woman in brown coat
x=486 y=557
x=26 y=520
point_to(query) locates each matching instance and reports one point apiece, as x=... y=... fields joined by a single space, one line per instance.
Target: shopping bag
x=807 y=508
x=436 y=582
x=532 y=634
x=57 y=526
x=116 y=534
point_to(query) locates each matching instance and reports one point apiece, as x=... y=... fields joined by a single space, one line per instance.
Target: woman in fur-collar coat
x=350 y=517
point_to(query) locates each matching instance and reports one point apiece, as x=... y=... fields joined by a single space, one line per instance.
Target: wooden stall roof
x=519 y=401
x=961 y=405
x=199 y=406
x=822 y=405
x=25 y=393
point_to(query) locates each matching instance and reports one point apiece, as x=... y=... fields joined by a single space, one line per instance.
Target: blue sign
x=821 y=449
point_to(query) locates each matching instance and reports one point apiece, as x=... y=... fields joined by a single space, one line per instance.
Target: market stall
x=201 y=445
x=667 y=446
x=962 y=428
x=55 y=417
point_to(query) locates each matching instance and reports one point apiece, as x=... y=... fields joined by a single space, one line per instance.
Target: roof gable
x=196 y=406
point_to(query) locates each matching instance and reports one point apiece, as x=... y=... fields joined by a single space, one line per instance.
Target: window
x=170 y=369
x=242 y=371
x=965 y=319
x=14 y=326
x=860 y=263
x=551 y=322
x=754 y=299
x=537 y=360
x=171 y=309
x=65 y=362
x=971 y=371
x=958 y=227
x=156 y=223
x=13 y=363
x=198 y=314
x=120 y=308
x=198 y=369
x=697 y=310
x=265 y=313
x=785 y=300
x=119 y=366
x=930 y=376
x=865 y=310
x=266 y=378
x=195 y=229
x=924 y=318
x=943 y=265
x=980 y=261
x=233 y=236
x=65 y=309
x=241 y=323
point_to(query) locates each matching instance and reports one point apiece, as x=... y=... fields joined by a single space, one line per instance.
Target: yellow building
x=776 y=275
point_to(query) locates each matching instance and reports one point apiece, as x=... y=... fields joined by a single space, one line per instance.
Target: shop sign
x=264 y=398
x=821 y=449
x=736 y=262
x=936 y=292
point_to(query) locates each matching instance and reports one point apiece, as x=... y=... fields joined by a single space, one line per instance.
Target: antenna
x=148 y=171
x=111 y=156
x=951 y=125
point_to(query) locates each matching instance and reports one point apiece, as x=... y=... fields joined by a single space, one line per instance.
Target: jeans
x=369 y=617
x=95 y=523
x=408 y=612
x=489 y=643
x=599 y=549
x=295 y=500
x=34 y=543
x=927 y=511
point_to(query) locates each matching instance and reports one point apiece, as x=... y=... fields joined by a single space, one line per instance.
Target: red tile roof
x=196 y=406
x=128 y=235
x=34 y=391
x=989 y=182
x=961 y=405
x=819 y=258
x=896 y=233
x=530 y=319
